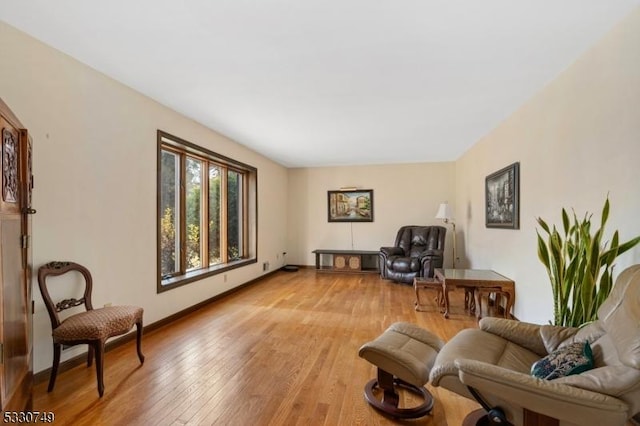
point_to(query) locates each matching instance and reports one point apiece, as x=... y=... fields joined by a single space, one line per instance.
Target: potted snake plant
x=580 y=265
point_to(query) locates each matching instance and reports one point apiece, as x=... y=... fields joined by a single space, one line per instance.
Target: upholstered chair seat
x=403 y=264
x=403 y=354
x=98 y=324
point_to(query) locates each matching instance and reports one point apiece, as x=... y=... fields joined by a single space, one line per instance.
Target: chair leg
x=139 y=341
x=99 y=351
x=90 y=356
x=57 y=349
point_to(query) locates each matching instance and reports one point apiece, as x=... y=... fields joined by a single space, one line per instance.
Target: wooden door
x=16 y=371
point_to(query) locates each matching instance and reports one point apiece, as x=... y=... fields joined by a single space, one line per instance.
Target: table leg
x=438 y=299
x=509 y=303
x=469 y=299
x=445 y=295
x=499 y=293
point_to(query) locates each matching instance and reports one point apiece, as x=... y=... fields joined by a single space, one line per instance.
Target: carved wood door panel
x=16 y=371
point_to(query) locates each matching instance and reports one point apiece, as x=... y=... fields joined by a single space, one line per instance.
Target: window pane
x=169 y=214
x=234 y=215
x=194 y=213
x=214 y=215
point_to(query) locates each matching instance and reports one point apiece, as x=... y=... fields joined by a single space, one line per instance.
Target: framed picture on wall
x=502 y=198
x=350 y=206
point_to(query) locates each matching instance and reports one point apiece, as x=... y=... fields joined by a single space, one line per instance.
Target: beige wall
x=404 y=194
x=577 y=141
x=95 y=177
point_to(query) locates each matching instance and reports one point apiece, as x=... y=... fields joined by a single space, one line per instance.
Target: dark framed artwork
x=350 y=206
x=502 y=198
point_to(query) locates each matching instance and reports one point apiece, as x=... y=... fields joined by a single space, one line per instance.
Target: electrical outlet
x=265 y=266
x=224 y=278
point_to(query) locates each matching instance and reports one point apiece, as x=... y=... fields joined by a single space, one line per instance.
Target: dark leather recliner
x=417 y=252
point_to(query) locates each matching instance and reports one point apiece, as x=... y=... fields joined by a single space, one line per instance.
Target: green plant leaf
x=565 y=222
x=628 y=245
x=543 y=253
x=605 y=213
x=544 y=225
x=609 y=255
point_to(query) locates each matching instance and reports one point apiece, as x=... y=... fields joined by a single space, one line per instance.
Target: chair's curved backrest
x=619 y=315
x=416 y=239
x=60 y=268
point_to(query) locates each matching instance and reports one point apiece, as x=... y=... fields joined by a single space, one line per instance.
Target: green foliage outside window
x=167 y=242
x=195 y=216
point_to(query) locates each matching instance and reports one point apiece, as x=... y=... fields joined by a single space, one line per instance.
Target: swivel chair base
x=390 y=398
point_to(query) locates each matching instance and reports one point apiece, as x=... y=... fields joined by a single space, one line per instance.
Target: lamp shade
x=444 y=212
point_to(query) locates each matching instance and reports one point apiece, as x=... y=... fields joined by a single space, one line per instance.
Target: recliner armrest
x=548 y=397
x=431 y=253
x=619 y=379
x=521 y=333
x=391 y=251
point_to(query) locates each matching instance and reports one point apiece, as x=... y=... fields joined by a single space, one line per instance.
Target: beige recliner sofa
x=495 y=361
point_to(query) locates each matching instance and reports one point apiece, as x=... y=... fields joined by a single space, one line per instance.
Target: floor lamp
x=445 y=213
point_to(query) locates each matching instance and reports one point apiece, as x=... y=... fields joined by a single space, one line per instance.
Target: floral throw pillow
x=573 y=358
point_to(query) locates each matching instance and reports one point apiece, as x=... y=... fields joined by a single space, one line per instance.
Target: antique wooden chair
x=92 y=326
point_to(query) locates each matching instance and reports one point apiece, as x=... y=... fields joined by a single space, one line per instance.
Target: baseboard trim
x=305 y=266
x=43 y=375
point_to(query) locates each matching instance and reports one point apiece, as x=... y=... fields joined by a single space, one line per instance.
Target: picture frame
x=502 y=198
x=350 y=205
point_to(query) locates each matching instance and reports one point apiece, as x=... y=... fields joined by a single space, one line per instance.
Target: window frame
x=184 y=149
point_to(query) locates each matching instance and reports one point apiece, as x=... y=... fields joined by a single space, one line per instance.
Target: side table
x=421 y=283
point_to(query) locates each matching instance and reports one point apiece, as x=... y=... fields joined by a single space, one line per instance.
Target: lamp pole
x=453 y=225
x=444 y=213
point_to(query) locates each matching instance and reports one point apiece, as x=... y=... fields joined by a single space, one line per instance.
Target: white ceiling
x=330 y=82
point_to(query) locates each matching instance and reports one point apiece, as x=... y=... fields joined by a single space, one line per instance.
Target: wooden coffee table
x=473 y=279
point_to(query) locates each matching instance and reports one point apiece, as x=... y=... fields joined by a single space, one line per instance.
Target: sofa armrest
x=547 y=397
x=522 y=333
x=391 y=251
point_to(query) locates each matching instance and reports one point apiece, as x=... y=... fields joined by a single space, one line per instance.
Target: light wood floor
x=283 y=351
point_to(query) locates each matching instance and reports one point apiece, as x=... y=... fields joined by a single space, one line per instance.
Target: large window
x=206 y=212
